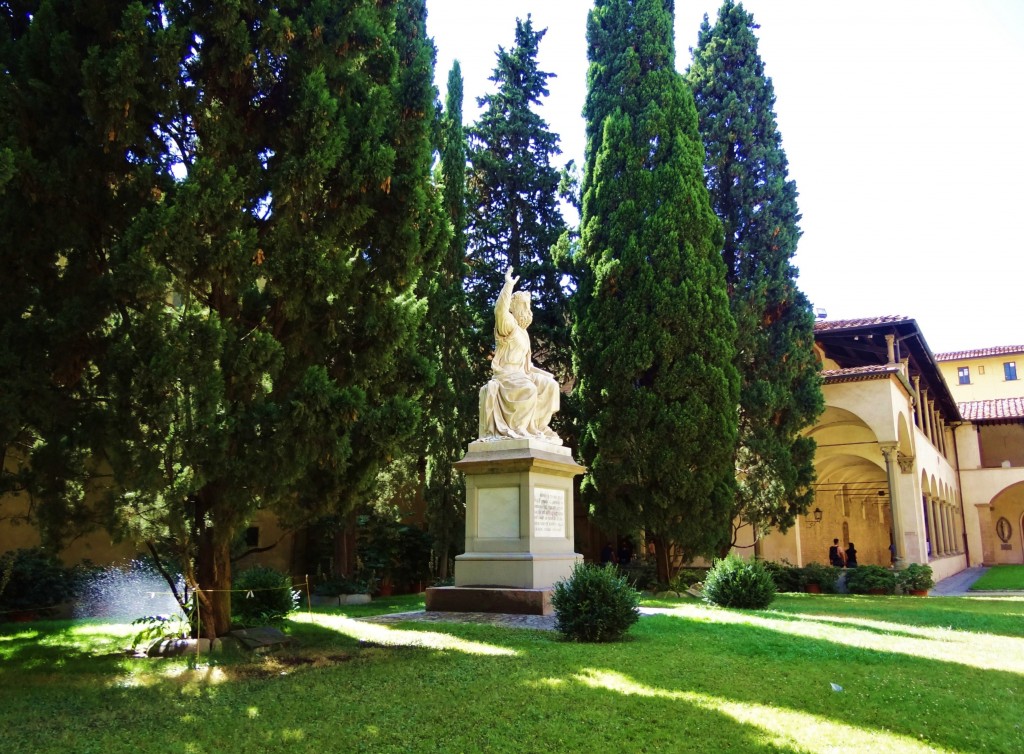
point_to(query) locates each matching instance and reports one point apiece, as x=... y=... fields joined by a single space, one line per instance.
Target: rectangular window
x=1010 y=370
x=252 y=536
x=964 y=373
x=981 y=370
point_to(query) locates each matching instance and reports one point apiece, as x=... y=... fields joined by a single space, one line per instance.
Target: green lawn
x=917 y=675
x=1002 y=577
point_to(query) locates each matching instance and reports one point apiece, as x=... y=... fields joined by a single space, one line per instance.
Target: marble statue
x=519 y=399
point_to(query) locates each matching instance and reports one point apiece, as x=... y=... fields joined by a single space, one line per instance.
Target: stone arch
x=1008 y=504
x=904 y=437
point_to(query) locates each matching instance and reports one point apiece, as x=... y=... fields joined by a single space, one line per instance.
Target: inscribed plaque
x=548 y=512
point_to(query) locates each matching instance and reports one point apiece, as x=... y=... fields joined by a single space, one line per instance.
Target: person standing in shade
x=851 y=556
x=835 y=555
x=607 y=554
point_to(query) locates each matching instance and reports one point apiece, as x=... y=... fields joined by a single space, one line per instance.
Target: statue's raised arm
x=520 y=399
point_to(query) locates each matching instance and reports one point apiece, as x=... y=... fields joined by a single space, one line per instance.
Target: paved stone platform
x=507 y=620
x=540 y=622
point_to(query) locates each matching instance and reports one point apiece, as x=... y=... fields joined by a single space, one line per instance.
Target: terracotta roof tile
x=827 y=325
x=855 y=374
x=978 y=353
x=998 y=408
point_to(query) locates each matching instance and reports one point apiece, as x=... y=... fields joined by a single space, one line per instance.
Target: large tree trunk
x=662 y=559
x=442 y=557
x=213 y=570
x=213 y=574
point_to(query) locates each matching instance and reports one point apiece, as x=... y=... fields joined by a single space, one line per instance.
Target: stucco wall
x=987 y=378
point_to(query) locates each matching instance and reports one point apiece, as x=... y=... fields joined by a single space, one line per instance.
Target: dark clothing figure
x=851 y=556
x=607 y=554
x=625 y=552
x=835 y=556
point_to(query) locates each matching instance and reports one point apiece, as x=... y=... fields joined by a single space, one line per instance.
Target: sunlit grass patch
x=1001 y=577
x=977 y=650
x=916 y=675
x=784 y=728
x=388 y=636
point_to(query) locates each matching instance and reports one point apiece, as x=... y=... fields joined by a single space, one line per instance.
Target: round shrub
x=33 y=579
x=870 y=579
x=595 y=604
x=262 y=595
x=734 y=582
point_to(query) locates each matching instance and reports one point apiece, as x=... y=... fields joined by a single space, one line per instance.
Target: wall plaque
x=1003 y=529
x=548 y=512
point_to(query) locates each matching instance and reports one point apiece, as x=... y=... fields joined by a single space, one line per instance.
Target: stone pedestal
x=519 y=528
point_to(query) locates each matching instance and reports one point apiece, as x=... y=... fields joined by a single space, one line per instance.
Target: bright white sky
x=903 y=123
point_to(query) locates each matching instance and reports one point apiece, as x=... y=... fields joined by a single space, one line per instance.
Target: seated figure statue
x=520 y=399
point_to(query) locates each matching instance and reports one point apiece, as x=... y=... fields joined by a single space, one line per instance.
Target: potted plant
x=870 y=579
x=916 y=579
x=817 y=578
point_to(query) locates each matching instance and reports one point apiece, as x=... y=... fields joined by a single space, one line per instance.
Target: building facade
x=990 y=445
x=920 y=457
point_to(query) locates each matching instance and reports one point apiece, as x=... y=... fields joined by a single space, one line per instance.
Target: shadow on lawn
x=959 y=613
x=922 y=693
x=709 y=680
x=52 y=644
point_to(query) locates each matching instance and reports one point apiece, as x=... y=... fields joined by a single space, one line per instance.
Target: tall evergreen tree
x=79 y=160
x=451 y=415
x=514 y=214
x=652 y=331
x=746 y=170
x=260 y=349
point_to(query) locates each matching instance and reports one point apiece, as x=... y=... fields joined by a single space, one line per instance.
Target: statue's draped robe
x=520 y=399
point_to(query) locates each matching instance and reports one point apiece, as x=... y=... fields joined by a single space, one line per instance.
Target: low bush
x=595 y=604
x=734 y=582
x=642 y=573
x=33 y=579
x=915 y=577
x=685 y=578
x=262 y=595
x=787 y=577
x=868 y=579
x=335 y=585
x=824 y=576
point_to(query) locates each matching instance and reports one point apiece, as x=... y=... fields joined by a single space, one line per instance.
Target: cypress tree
x=78 y=161
x=652 y=334
x=514 y=215
x=259 y=336
x=746 y=170
x=451 y=415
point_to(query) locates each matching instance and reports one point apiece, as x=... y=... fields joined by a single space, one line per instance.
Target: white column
x=928 y=502
x=917 y=402
x=926 y=414
x=892 y=471
x=889 y=341
x=944 y=524
x=950 y=543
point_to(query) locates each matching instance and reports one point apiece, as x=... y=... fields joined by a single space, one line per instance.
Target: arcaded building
x=908 y=469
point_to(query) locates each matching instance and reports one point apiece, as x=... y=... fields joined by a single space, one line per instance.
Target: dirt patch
x=284 y=664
